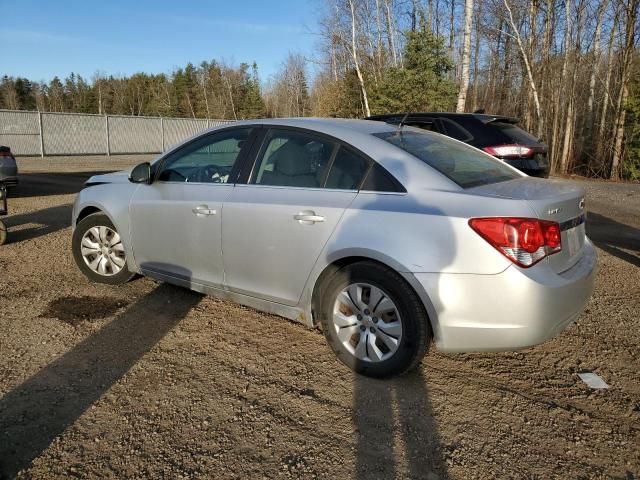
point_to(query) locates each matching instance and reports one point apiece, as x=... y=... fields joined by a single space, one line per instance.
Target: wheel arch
x=86 y=211
x=345 y=260
x=91 y=208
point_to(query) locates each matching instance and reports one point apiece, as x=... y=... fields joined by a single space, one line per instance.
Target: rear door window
x=347 y=170
x=379 y=180
x=464 y=165
x=293 y=159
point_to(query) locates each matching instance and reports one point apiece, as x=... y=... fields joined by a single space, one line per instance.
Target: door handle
x=308 y=217
x=202 y=210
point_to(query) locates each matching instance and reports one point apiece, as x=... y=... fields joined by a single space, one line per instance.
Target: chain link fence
x=41 y=134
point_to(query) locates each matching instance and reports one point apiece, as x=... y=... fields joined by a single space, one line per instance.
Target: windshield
x=465 y=165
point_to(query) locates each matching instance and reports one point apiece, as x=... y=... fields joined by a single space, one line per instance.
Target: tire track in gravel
x=455 y=371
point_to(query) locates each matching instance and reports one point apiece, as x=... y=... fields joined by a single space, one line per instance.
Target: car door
x=276 y=225
x=176 y=220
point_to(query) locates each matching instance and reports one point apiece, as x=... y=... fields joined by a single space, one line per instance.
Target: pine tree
x=422 y=84
x=251 y=102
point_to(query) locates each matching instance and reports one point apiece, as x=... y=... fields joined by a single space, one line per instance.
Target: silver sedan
x=387 y=237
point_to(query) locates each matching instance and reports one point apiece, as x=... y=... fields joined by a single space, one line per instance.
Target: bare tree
x=525 y=59
x=390 y=30
x=596 y=60
x=476 y=60
x=354 y=57
x=600 y=152
x=466 y=54
x=631 y=13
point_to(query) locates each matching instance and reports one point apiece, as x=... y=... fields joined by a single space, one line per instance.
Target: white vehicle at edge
x=388 y=237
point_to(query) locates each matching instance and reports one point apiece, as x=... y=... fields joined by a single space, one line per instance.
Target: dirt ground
x=149 y=380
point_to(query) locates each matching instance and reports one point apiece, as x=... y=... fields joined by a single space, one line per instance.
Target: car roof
x=361 y=135
x=483 y=117
x=356 y=132
x=330 y=126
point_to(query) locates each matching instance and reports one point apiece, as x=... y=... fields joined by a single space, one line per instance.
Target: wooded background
x=569 y=69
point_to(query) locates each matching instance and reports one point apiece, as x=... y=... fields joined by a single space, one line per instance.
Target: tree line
x=569 y=69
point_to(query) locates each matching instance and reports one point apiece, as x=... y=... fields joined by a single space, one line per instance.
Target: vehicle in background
x=387 y=237
x=3 y=211
x=8 y=168
x=495 y=134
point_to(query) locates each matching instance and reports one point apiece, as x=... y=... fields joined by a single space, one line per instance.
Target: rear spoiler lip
x=416 y=116
x=395 y=120
x=496 y=118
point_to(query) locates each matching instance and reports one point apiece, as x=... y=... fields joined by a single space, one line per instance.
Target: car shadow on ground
x=614 y=237
x=398 y=407
x=45 y=221
x=43 y=184
x=34 y=413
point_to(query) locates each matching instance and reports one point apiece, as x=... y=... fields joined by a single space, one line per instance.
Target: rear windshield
x=465 y=165
x=515 y=134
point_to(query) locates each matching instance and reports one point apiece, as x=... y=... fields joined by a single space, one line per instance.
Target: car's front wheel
x=99 y=252
x=374 y=321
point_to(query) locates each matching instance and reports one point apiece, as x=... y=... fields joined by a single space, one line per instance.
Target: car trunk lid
x=552 y=200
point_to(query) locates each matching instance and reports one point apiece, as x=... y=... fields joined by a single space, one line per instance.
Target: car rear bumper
x=530 y=166
x=514 y=309
x=8 y=172
x=535 y=172
x=8 y=181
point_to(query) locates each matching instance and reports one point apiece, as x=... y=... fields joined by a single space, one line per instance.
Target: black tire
x=416 y=334
x=96 y=220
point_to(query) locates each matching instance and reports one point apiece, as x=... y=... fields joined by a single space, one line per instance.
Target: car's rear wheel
x=99 y=252
x=373 y=320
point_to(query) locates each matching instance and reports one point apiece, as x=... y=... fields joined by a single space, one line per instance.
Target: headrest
x=292 y=159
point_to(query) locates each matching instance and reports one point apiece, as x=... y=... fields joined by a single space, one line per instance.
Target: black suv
x=494 y=134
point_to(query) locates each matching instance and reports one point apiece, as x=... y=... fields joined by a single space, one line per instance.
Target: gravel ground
x=148 y=380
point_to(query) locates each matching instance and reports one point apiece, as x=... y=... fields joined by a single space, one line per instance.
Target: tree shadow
x=42 y=184
x=33 y=414
x=48 y=220
x=377 y=422
x=614 y=237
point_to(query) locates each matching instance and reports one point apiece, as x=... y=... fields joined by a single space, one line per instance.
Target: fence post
x=41 y=136
x=106 y=131
x=162 y=132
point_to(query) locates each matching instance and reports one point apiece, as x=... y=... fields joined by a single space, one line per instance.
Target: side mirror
x=141 y=173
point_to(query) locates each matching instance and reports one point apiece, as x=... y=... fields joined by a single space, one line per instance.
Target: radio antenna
x=404 y=119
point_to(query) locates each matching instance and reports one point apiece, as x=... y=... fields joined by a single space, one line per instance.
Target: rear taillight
x=524 y=241
x=509 y=151
x=5 y=154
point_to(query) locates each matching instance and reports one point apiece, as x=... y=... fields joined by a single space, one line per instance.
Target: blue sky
x=40 y=39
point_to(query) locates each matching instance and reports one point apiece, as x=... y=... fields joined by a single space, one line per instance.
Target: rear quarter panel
x=425 y=231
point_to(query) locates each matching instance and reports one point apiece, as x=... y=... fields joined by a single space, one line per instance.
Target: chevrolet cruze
x=386 y=237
